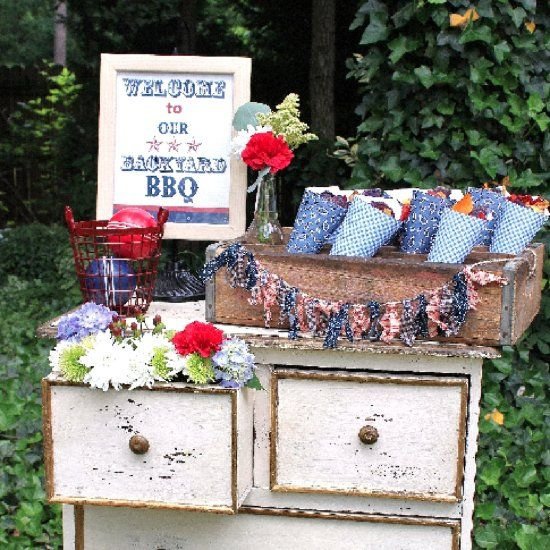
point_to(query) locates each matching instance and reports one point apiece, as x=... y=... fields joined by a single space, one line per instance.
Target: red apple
x=135 y=245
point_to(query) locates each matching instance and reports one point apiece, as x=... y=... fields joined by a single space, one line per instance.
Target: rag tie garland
x=439 y=311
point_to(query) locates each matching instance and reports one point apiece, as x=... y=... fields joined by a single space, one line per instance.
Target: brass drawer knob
x=138 y=444
x=368 y=435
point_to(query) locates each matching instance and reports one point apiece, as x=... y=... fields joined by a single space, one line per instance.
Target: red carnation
x=202 y=338
x=265 y=149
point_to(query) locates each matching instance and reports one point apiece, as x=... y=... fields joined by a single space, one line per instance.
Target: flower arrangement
x=265 y=141
x=97 y=347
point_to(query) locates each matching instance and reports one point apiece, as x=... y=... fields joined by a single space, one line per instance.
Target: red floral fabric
x=265 y=149
x=202 y=338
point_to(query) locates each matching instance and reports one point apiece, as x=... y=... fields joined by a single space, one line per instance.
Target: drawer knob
x=368 y=435
x=138 y=444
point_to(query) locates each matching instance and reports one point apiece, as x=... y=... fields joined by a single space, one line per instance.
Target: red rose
x=202 y=338
x=265 y=149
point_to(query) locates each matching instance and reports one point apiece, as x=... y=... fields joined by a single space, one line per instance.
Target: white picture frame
x=164 y=141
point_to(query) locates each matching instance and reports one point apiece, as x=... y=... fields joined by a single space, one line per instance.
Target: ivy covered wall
x=456 y=92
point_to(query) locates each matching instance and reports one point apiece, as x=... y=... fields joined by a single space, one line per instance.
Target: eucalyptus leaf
x=246 y=114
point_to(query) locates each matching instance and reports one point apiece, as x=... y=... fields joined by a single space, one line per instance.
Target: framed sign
x=164 y=140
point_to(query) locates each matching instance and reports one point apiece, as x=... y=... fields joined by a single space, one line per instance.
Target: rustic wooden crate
x=502 y=315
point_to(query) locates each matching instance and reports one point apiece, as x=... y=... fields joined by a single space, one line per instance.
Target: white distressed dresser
x=369 y=446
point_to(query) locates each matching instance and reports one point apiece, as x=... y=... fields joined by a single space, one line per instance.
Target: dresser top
x=176 y=315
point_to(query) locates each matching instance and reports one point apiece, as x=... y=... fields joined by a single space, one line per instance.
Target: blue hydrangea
x=233 y=363
x=88 y=319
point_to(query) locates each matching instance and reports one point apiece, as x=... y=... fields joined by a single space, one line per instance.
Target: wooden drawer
x=199 y=455
x=419 y=422
x=253 y=528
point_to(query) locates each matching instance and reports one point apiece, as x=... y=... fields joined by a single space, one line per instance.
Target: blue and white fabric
x=493 y=203
x=332 y=237
x=457 y=235
x=421 y=226
x=364 y=230
x=516 y=229
x=316 y=220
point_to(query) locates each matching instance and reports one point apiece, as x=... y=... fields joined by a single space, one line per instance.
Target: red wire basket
x=116 y=266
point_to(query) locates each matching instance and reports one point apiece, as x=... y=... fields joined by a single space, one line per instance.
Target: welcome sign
x=165 y=135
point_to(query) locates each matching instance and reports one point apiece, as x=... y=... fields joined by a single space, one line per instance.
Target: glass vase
x=265 y=227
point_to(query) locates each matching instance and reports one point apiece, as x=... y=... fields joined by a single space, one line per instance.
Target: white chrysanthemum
x=106 y=362
x=117 y=364
x=239 y=142
x=62 y=345
x=155 y=345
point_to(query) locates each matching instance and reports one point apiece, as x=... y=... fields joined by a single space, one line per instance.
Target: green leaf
x=503 y=365
x=377 y=29
x=254 y=383
x=524 y=474
x=513 y=124
x=474 y=33
x=492 y=472
x=400 y=46
x=529 y=537
x=487 y=536
x=404 y=15
x=518 y=15
x=474 y=137
x=446 y=107
x=485 y=510
x=501 y=51
x=403 y=76
x=527 y=179
x=530 y=5
x=246 y=114
x=542 y=121
x=391 y=168
x=535 y=103
x=490 y=161
x=372 y=124
x=425 y=76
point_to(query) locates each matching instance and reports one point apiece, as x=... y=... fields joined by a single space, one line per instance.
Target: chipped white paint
x=399 y=365
x=423 y=436
x=68 y=527
x=245 y=443
x=417 y=453
x=190 y=459
x=139 y=529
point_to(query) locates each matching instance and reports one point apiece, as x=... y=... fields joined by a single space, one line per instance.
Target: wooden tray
x=502 y=315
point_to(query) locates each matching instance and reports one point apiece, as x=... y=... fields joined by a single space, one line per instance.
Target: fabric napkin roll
x=494 y=204
x=421 y=226
x=316 y=220
x=364 y=230
x=457 y=234
x=516 y=229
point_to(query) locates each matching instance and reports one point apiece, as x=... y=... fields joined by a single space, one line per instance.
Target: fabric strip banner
x=437 y=311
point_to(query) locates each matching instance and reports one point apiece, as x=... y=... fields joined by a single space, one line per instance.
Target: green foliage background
x=37 y=282
x=459 y=105
x=43 y=164
x=462 y=106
